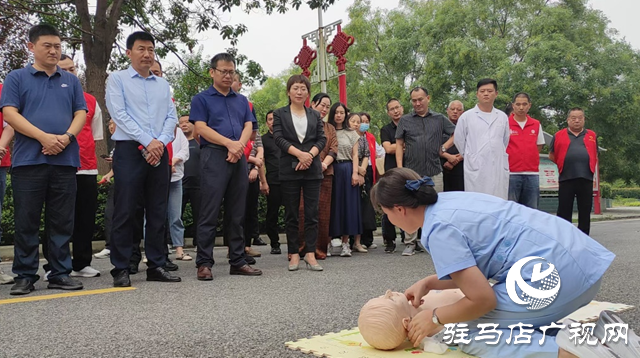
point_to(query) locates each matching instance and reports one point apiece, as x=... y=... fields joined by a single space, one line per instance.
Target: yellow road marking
x=63 y=295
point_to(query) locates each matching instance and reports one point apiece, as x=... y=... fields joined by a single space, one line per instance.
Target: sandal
x=184 y=257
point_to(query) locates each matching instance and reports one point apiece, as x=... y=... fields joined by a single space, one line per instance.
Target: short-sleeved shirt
x=49 y=103
x=423 y=138
x=191 y=179
x=271 y=158
x=576 y=162
x=388 y=134
x=224 y=114
x=346 y=140
x=463 y=230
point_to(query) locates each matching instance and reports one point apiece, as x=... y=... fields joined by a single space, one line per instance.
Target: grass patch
x=619 y=201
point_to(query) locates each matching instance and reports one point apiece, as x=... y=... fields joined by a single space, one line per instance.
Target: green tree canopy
x=562 y=53
x=173 y=23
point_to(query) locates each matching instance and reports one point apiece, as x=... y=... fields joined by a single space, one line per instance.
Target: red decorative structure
x=305 y=59
x=338 y=47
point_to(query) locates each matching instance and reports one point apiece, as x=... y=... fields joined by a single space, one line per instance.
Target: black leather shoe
x=160 y=274
x=259 y=242
x=275 y=251
x=170 y=266
x=133 y=269
x=23 y=286
x=122 y=279
x=250 y=260
x=64 y=283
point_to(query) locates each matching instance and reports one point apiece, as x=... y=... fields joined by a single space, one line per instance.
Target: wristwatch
x=435 y=319
x=72 y=138
x=444 y=150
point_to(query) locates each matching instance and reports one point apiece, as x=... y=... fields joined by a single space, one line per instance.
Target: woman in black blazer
x=299 y=132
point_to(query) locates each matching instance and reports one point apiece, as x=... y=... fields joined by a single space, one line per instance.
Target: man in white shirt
x=482 y=136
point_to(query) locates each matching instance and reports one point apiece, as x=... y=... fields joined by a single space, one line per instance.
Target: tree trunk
x=96 y=74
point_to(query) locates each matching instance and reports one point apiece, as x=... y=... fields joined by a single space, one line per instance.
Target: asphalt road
x=236 y=316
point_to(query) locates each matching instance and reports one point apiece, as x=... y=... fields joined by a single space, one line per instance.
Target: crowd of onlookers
x=319 y=162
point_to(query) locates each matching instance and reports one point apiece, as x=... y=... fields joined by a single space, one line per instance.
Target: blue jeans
x=33 y=187
x=3 y=187
x=176 y=228
x=525 y=189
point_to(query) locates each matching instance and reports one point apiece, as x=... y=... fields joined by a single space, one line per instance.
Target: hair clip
x=414 y=185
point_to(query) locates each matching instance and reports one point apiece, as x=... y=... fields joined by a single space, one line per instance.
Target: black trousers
x=367 y=210
x=35 y=186
x=582 y=190
x=389 y=231
x=291 y=198
x=220 y=180
x=274 y=201
x=136 y=183
x=192 y=195
x=453 y=179
x=251 y=223
x=85 y=220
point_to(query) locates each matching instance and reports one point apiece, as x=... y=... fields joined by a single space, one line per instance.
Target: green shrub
x=625 y=193
x=605 y=190
x=8 y=228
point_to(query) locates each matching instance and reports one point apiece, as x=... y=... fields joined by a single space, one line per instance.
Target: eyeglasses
x=396 y=108
x=226 y=73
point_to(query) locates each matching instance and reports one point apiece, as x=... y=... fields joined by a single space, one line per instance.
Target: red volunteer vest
x=248 y=148
x=6 y=161
x=522 y=148
x=85 y=140
x=561 y=145
x=371 y=140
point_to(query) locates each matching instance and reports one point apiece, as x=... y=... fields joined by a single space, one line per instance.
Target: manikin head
x=383 y=321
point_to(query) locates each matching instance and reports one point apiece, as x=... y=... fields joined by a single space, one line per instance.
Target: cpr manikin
x=383 y=321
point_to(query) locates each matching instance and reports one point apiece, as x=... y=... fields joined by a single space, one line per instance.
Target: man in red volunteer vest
x=87 y=182
x=575 y=151
x=525 y=141
x=6 y=135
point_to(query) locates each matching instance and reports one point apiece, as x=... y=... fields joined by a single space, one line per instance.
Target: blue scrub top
x=464 y=229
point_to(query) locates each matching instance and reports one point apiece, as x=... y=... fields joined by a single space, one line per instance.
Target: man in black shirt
x=272 y=188
x=191 y=179
x=388 y=139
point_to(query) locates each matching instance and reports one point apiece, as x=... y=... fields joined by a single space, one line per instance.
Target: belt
x=344 y=161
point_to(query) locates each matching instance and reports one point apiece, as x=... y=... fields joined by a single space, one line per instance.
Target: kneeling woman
x=474 y=237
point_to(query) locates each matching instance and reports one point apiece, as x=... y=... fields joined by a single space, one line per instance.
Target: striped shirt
x=423 y=138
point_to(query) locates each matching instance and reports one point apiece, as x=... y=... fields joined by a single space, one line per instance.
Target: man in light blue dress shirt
x=141 y=106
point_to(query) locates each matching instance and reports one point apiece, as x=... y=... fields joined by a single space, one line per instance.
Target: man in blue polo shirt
x=47 y=109
x=141 y=106
x=224 y=122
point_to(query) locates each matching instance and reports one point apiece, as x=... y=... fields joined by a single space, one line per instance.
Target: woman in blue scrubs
x=475 y=237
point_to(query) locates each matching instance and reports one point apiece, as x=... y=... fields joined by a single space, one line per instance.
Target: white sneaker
x=104 y=254
x=346 y=251
x=5 y=279
x=409 y=250
x=88 y=271
x=372 y=246
x=46 y=276
x=144 y=259
x=564 y=341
